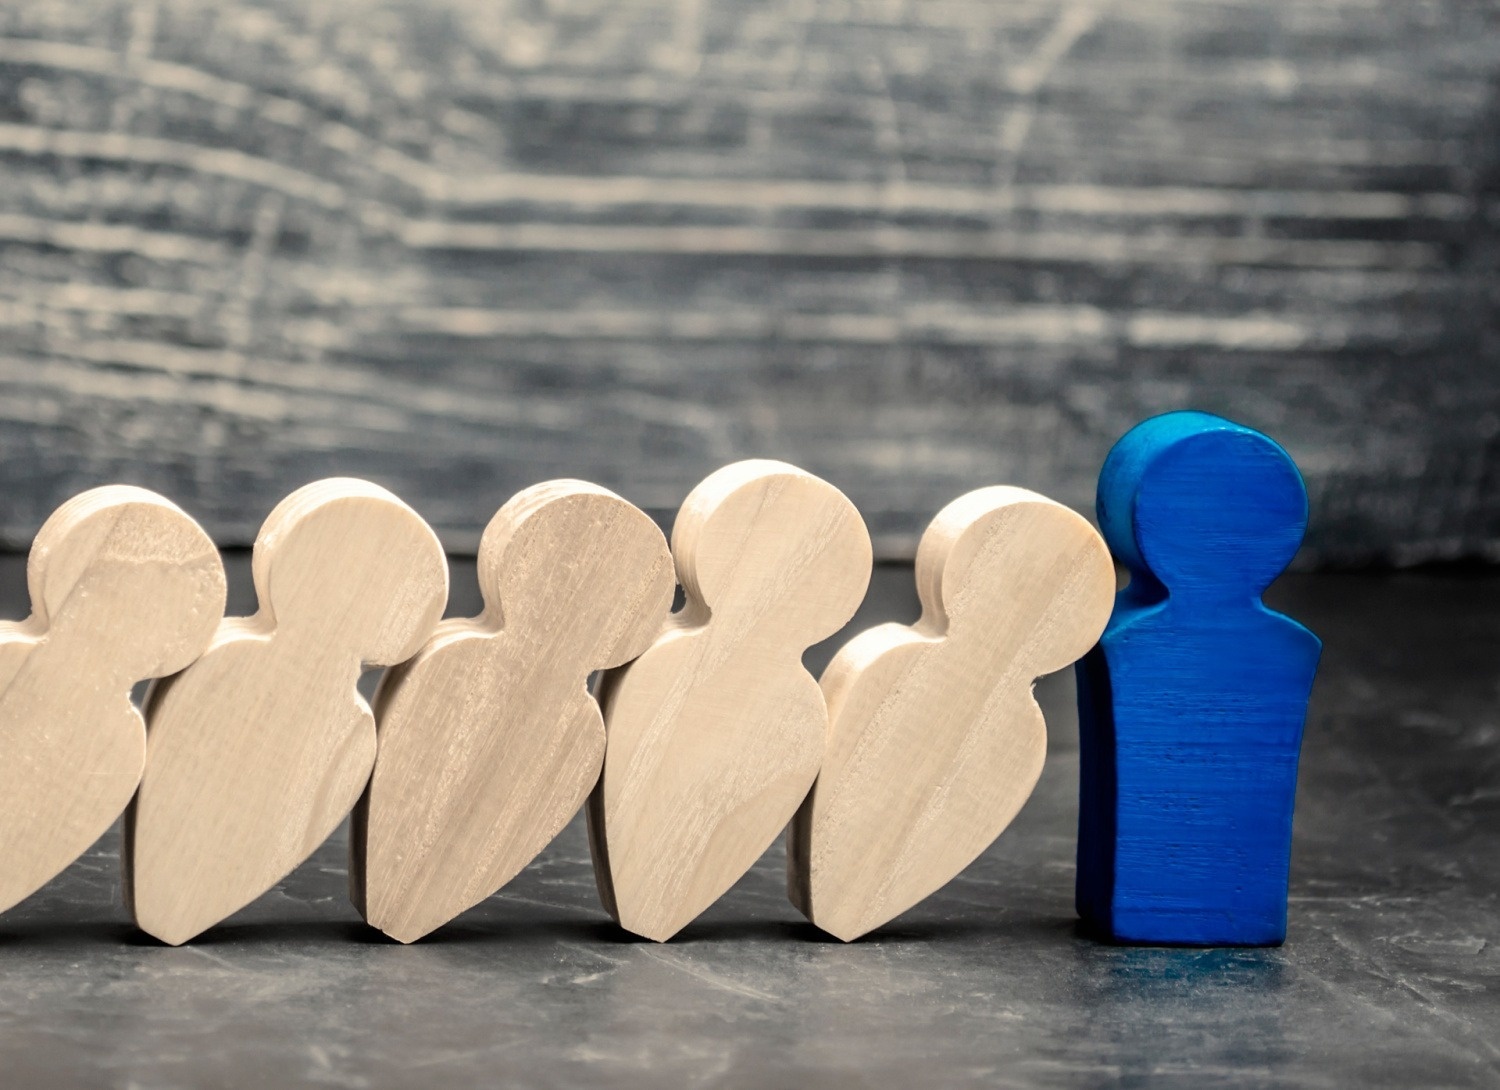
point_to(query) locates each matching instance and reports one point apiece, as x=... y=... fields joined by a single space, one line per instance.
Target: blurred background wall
x=916 y=246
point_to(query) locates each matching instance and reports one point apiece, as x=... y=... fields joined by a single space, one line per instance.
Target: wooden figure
x=258 y=750
x=935 y=739
x=715 y=734
x=489 y=739
x=1192 y=706
x=124 y=587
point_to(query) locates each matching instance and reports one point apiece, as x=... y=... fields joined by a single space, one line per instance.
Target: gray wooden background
x=917 y=246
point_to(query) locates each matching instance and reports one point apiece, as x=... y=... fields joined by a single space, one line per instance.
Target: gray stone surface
x=459 y=246
x=1390 y=978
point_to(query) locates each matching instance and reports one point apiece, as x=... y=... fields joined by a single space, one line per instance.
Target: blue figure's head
x=1206 y=507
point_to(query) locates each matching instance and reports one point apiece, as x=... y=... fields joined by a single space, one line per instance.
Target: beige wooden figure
x=489 y=739
x=124 y=587
x=935 y=739
x=715 y=734
x=257 y=751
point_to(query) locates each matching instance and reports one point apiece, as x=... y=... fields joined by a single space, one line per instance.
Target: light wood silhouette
x=715 y=734
x=257 y=751
x=935 y=739
x=489 y=739
x=124 y=587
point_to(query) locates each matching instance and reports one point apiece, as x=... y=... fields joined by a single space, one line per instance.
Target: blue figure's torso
x=1189 y=840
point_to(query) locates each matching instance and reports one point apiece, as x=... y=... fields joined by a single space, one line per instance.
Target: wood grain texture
x=1191 y=707
x=460 y=246
x=124 y=587
x=715 y=734
x=935 y=740
x=260 y=748
x=489 y=741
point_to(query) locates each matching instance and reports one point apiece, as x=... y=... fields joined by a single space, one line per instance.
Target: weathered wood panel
x=462 y=245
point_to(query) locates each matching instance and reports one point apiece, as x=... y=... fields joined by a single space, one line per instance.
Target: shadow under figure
x=1191 y=708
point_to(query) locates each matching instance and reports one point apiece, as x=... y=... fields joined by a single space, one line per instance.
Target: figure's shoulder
x=1134 y=616
x=1158 y=642
x=1293 y=634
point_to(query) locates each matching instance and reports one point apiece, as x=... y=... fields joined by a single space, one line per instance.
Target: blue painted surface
x=1192 y=705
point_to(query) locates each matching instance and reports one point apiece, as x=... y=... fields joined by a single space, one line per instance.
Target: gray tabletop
x=1390 y=976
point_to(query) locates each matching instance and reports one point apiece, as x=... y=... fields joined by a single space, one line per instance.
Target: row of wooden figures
x=891 y=774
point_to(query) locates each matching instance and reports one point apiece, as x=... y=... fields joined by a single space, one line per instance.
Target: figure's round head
x=761 y=536
x=570 y=555
x=1203 y=504
x=344 y=559
x=1006 y=552
x=126 y=566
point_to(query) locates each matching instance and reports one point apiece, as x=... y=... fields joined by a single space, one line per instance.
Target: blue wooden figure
x=1192 y=705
